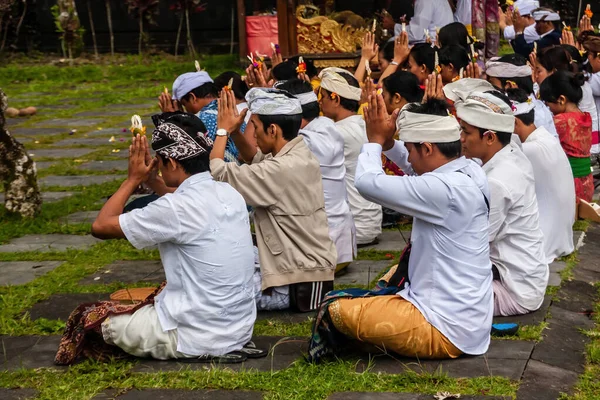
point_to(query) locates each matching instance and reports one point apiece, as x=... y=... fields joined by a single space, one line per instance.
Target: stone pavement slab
x=281 y=356
x=46 y=243
x=17 y=394
x=22 y=272
x=78 y=180
x=472 y=367
x=44 y=164
x=558 y=266
x=554 y=279
x=391 y=241
x=400 y=396
x=562 y=346
x=534 y=318
x=545 y=382
x=12 y=346
x=40 y=355
x=29 y=131
x=175 y=394
x=576 y=296
x=71 y=122
x=284 y=316
x=49 y=197
x=58 y=153
x=361 y=272
x=83 y=141
x=60 y=306
x=107 y=165
x=81 y=217
x=127 y=272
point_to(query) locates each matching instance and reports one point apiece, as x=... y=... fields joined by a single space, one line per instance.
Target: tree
x=110 y=29
x=5 y=6
x=184 y=8
x=91 y=19
x=143 y=9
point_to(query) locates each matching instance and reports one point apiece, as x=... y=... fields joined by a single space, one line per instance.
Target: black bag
x=400 y=276
x=307 y=296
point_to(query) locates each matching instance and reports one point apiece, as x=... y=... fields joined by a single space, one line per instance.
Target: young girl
x=591 y=43
x=453 y=60
x=421 y=61
x=562 y=92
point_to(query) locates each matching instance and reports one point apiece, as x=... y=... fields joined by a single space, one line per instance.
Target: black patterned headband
x=181 y=145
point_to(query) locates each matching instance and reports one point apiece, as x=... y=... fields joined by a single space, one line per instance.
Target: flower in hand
x=140 y=167
x=228 y=117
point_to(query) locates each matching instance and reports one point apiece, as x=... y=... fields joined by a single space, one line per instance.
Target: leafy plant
x=143 y=10
x=68 y=25
x=184 y=8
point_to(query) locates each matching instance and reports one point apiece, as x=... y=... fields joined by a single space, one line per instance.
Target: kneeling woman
x=206 y=310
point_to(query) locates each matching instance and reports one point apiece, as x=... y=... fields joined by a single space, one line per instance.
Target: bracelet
x=394 y=63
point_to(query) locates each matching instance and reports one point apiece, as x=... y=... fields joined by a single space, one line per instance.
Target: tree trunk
x=18 y=29
x=141 y=33
x=110 y=30
x=70 y=50
x=89 y=7
x=189 y=33
x=178 y=34
x=2 y=43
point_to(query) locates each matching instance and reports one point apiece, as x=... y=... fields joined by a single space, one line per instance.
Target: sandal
x=229 y=358
x=251 y=352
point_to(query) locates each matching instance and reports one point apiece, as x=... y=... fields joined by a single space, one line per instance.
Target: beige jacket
x=290 y=221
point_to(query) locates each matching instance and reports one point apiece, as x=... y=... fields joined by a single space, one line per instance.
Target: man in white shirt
x=327 y=144
x=554 y=187
x=207 y=307
x=340 y=95
x=513 y=71
x=525 y=8
x=446 y=308
x=429 y=16
x=516 y=240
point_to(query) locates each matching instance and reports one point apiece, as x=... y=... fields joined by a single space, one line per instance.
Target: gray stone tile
x=391 y=241
x=60 y=306
x=177 y=394
x=46 y=243
x=571 y=319
x=107 y=165
x=81 y=217
x=586 y=275
x=576 y=296
x=558 y=266
x=12 y=346
x=58 y=153
x=544 y=382
x=40 y=355
x=71 y=122
x=127 y=272
x=40 y=165
x=285 y=316
x=472 y=367
x=394 y=365
x=534 y=318
x=79 y=180
x=22 y=272
x=510 y=349
x=22 y=131
x=48 y=197
x=104 y=114
x=562 y=346
x=554 y=279
x=17 y=394
x=281 y=356
x=400 y=396
x=361 y=272
x=84 y=141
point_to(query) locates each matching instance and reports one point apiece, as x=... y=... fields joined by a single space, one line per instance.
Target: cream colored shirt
x=290 y=220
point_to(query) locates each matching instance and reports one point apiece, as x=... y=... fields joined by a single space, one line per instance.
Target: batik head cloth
x=264 y=101
x=484 y=110
x=333 y=81
x=189 y=81
x=419 y=128
x=180 y=136
x=497 y=69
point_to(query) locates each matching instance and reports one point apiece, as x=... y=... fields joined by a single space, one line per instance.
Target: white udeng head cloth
x=264 y=101
x=522 y=108
x=466 y=85
x=545 y=15
x=334 y=82
x=497 y=69
x=484 y=110
x=420 y=128
x=525 y=7
x=308 y=97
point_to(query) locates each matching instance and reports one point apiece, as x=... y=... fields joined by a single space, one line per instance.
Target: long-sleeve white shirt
x=367 y=215
x=429 y=14
x=327 y=144
x=516 y=240
x=555 y=192
x=529 y=33
x=449 y=268
x=595 y=86
x=543 y=116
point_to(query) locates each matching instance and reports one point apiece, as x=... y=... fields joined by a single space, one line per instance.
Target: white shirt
x=463 y=12
x=529 y=32
x=367 y=215
x=594 y=84
x=555 y=192
x=327 y=144
x=516 y=240
x=543 y=116
x=203 y=236
x=430 y=15
x=449 y=269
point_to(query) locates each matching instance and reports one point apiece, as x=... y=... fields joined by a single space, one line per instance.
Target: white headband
x=546 y=15
x=263 y=101
x=522 y=108
x=419 y=128
x=484 y=110
x=306 y=98
x=525 y=7
x=497 y=69
x=334 y=82
x=466 y=85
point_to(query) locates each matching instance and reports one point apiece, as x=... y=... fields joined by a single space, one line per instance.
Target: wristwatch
x=222 y=132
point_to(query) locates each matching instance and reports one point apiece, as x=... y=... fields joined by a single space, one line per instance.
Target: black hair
x=285 y=71
x=503 y=137
x=350 y=105
x=578 y=62
x=405 y=84
x=194 y=127
x=455 y=55
x=297 y=86
x=520 y=96
x=555 y=58
x=209 y=89
x=387 y=49
x=238 y=86
x=439 y=108
x=311 y=70
x=458 y=35
x=562 y=83
x=289 y=124
x=424 y=54
x=525 y=82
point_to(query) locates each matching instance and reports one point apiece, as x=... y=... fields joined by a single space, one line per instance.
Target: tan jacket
x=290 y=221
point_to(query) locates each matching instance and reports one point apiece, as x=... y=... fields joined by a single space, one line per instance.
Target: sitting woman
x=206 y=310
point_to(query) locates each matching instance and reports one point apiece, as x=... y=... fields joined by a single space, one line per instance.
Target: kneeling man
x=207 y=309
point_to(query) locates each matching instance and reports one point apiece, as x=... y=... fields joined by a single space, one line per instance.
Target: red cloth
x=261 y=31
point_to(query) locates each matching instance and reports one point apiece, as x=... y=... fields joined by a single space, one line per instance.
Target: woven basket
x=135 y=295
